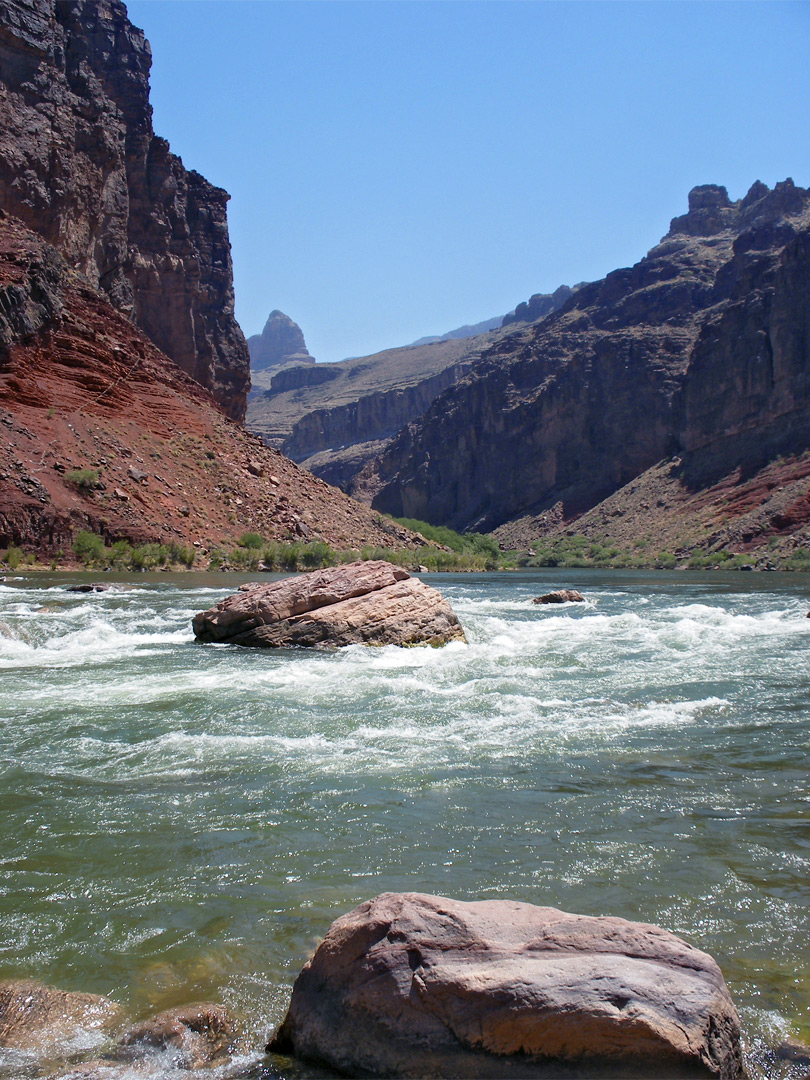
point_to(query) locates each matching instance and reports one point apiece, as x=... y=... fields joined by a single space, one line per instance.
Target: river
x=182 y=822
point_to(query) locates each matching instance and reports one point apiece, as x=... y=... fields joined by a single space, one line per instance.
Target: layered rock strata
x=370 y=603
x=81 y=165
x=411 y=985
x=701 y=350
x=336 y=418
x=101 y=431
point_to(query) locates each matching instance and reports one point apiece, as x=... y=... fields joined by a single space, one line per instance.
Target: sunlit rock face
x=81 y=165
x=412 y=985
x=280 y=342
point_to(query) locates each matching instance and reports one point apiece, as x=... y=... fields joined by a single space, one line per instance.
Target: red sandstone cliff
x=83 y=390
x=80 y=164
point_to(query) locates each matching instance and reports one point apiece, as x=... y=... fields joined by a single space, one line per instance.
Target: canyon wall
x=699 y=350
x=81 y=165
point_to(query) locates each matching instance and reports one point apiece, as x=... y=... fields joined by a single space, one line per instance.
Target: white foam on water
x=97 y=642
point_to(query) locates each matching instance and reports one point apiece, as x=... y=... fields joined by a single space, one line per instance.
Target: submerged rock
x=410 y=985
x=793 y=1050
x=560 y=596
x=199 y=1034
x=45 y=1020
x=372 y=603
x=95 y=586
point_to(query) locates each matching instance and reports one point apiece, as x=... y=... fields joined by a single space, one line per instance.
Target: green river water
x=183 y=822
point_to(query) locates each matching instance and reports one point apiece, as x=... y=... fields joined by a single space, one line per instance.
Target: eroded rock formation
x=370 y=603
x=81 y=165
x=280 y=342
x=412 y=985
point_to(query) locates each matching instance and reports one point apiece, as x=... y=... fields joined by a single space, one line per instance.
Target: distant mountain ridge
x=336 y=418
x=463 y=331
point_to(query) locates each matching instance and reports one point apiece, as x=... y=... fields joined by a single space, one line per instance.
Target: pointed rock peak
x=281 y=342
x=757 y=191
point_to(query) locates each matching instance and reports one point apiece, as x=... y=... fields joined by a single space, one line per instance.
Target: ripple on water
x=184 y=820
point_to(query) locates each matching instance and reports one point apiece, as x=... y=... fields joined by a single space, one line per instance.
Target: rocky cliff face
x=99 y=430
x=538 y=306
x=335 y=418
x=81 y=165
x=700 y=350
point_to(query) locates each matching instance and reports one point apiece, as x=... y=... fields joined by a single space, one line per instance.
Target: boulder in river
x=45 y=1020
x=560 y=596
x=372 y=603
x=410 y=985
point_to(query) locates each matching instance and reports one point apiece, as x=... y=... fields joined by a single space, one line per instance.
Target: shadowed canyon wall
x=81 y=165
x=701 y=349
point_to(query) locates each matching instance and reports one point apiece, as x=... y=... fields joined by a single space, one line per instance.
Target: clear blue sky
x=398 y=169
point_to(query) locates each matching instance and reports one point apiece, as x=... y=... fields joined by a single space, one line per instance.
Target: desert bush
x=89 y=547
x=83 y=479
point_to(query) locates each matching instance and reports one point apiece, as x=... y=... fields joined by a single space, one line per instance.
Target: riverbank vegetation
x=448 y=551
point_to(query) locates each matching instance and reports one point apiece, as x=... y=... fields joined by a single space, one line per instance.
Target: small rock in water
x=793 y=1050
x=560 y=596
x=411 y=985
x=371 y=603
x=201 y=1034
x=95 y=586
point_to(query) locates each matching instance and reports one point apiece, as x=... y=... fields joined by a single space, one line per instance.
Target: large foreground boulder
x=409 y=985
x=372 y=603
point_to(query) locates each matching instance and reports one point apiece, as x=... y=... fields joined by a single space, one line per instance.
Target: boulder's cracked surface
x=370 y=603
x=411 y=985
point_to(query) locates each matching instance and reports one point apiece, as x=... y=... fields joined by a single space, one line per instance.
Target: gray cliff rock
x=410 y=985
x=371 y=603
x=81 y=165
x=280 y=342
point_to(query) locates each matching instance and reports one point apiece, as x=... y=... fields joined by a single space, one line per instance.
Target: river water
x=182 y=822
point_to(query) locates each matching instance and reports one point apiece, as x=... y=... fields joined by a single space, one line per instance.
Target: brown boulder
x=409 y=985
x=372 y=603
x=41 y=1018
x=560 y=596
x=200 y=1034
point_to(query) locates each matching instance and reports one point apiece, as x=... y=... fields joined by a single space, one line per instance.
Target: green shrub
x=13 y=557
x=83 y=479
x=316 y=554
x=251 y=540
x=88 y=547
